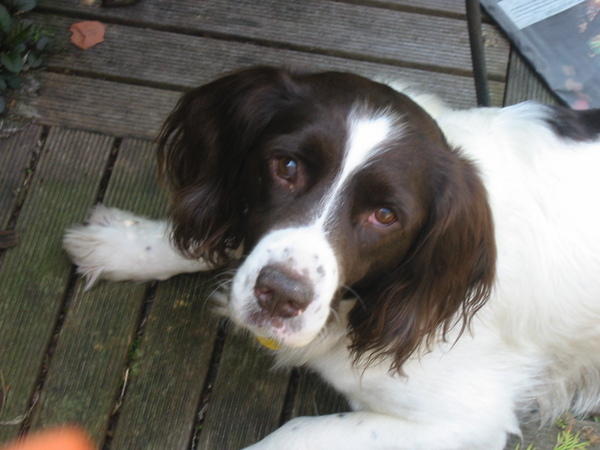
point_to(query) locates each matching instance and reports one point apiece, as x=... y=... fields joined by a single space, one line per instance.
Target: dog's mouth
x=294 y=331
x=290 y=331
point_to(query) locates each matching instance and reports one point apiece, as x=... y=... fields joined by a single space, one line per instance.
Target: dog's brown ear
x=201 y=152
x=446 y=277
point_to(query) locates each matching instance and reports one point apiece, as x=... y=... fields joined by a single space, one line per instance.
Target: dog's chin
x=277 y=340
x=296 y=332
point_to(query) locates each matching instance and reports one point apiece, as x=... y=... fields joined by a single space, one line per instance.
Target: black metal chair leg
x=477 y=52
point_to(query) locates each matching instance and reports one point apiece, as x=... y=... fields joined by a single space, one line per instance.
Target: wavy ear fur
x=201 y=153
x=446 y=277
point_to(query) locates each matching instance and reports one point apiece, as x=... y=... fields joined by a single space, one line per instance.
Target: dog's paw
x=100 y=247
x=106 y=217
x=117 y=245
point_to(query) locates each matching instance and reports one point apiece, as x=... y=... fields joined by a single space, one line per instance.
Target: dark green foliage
x=22 y=45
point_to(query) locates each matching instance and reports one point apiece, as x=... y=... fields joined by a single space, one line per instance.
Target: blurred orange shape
x=68 y=438
x=86 y=34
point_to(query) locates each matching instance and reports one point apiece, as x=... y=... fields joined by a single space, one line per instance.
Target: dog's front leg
x=117 y=245
x=369 y=430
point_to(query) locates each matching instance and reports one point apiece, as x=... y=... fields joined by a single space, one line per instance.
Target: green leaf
x=12 y=61
x=6 y=21
x=14 y=82
x=42 y=43
x=34 y=60
x=2 y=83
x=2 y=105
x=18 y=34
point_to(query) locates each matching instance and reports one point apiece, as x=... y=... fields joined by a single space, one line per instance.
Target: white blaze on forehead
x=366 y=135
x=364 y=140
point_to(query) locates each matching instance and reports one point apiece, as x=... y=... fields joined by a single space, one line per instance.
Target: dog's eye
x=287 y=168
x=383 y=217
x=288 y=173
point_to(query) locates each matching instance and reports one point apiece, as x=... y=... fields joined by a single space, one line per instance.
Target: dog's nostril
x=264 y=296
x=281 y=293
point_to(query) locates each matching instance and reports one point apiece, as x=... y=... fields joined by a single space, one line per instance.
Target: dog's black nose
x=281 y=292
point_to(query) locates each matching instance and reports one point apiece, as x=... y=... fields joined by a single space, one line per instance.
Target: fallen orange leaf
x=86 y=34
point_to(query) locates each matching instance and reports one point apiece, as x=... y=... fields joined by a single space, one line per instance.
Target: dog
x=439 y=268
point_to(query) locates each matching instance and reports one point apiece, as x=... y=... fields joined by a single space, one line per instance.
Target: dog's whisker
x=355 y=294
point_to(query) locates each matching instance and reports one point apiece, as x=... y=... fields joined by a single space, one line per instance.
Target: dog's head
x=332 y=183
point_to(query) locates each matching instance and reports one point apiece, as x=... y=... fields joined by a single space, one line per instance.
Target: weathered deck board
x=34 y=274
x=16 y=151
x=192 y=61
x=169 y=368
x=354 y=31
x=450 y=7
x=102 y=106
x=247 y=397
x=120 y=109
x=87 y=367
x=315 y=398
x=109 y=107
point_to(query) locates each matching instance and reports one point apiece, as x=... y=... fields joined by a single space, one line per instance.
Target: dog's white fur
x=535 y=345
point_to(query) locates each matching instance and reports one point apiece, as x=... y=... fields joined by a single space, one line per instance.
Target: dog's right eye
x=382 y=217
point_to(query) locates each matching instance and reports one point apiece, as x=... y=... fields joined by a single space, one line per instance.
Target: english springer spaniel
x=439 y=268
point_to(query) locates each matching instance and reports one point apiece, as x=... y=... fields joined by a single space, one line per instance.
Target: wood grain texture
x=112 y=108
x=119 y=109
x=314 y=397
x=523 y=84
x=247 y=397
x=442 y=7
x=124 y=110
x=34 y=274
x=86 y=370
x=170 y=368
x=16 y=151
x=182 y=62
x=353 y=31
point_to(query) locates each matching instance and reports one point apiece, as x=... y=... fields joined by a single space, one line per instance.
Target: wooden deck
x=148 y=366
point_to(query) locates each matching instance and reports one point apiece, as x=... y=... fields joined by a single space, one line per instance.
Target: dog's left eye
x=287 y=172
x=286 y=168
